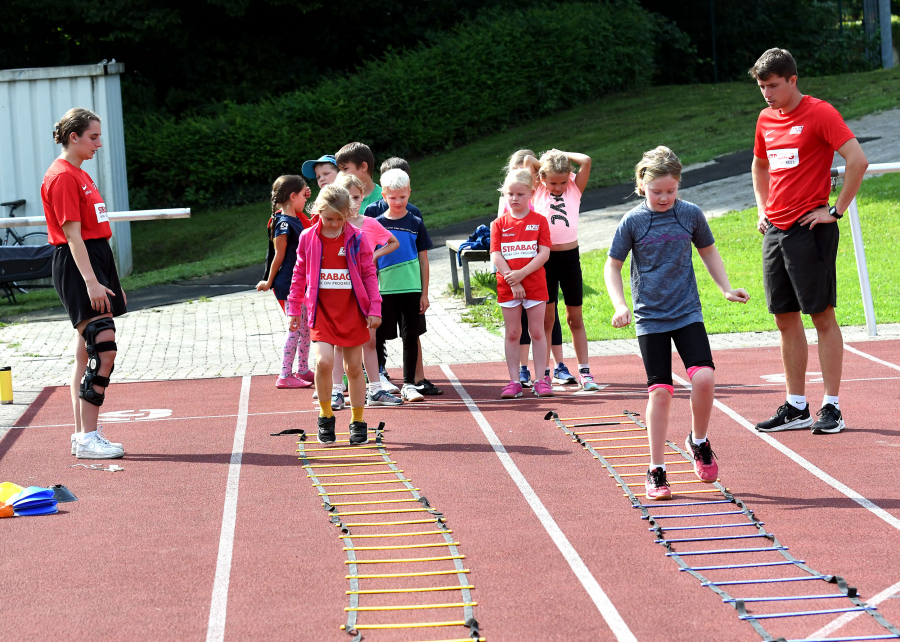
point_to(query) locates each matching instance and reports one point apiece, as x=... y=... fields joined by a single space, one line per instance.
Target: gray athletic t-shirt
x=663 y=286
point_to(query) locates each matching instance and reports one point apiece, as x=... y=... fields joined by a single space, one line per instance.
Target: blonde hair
x=555 y=163
x=518 y=157
x=394 y=179
x=521 y=176
x=656 y=163
x=349 y=180
x=336 y=198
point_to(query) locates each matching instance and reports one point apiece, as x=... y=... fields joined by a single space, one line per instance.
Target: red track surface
x=135 y=557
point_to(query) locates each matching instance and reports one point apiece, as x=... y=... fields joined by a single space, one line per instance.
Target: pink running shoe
x=291 y=382
x=512 y=390
x=705 y=466
x=309 y=376
x=657 y=485
x=542 y=388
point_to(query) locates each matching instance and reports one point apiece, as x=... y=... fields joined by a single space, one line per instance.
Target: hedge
x=498 y=70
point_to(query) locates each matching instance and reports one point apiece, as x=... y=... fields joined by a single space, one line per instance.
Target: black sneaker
x=359 y=433
x=786 y=418
x=829 y=421
x=428 y=388
x=326 y=430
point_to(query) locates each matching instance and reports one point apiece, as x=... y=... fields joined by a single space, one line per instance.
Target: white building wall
x=31 y=102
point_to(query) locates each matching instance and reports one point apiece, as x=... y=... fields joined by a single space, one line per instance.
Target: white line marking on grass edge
x=870 y=357
x=604 y=605
x=842 y=488
x=846 y=618
x=218 y=608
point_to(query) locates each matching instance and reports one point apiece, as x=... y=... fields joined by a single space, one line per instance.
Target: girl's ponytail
x=283 y=187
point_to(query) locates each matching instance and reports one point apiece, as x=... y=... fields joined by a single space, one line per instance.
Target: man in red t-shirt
x=796 y=137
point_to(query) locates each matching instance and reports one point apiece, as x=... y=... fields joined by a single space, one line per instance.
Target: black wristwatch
x=833 y=211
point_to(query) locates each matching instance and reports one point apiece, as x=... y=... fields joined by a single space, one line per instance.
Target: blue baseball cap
x=308 y=169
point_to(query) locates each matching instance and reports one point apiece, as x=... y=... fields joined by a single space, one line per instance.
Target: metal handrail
x=114 y=217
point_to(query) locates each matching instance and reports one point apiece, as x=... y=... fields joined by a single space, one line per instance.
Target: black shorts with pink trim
x=656 y=350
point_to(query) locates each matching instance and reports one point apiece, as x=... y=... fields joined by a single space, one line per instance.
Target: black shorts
x=70 y=284
x=799 y=268
x=656 y=350
x=555 y=335
x=401 y=310
x=563 y=269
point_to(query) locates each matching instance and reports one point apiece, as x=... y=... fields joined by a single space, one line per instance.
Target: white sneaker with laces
x=387 y=386
x=95 y=447
x=99 y=431
x=411 y=393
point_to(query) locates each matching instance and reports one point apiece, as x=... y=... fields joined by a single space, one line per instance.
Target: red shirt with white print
x=799 y=146
x=518 y=240
x=69 y=194
x=339 y=321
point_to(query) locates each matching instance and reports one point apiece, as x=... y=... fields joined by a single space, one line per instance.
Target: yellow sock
x=356 y=414
x=325 y=406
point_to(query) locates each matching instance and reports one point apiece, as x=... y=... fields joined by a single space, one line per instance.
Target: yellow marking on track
x=599 y=417
x=369 y=492
x=668 y=463
x=692 y=481
x=377 y=501
x=619 y=447
x=398 y=547
x=411 y=607
x=343 y=456
x=419 y=574
x=668 y=472
x=396 y=534
x=418 y=625
x=333 y=448
x=411 y=521
x=426 y=589
x=613 y=439
x=360 y=483
x=687 y=492
x=377 y=472
x=373 y=463
x=601 y=432
x=386 y=512
x=406 y=560
x=642 y=455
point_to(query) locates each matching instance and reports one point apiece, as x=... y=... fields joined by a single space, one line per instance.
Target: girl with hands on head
x=660 y=234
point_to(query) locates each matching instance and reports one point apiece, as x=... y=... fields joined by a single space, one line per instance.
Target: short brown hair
x=75 y=121
x=356 y=153
x=774 y=62
x=658 y=162
x=394 y=162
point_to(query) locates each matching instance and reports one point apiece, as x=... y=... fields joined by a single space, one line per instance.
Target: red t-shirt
x=339 y=321
x=69 y=194
x=800 y=147
x=518 y=239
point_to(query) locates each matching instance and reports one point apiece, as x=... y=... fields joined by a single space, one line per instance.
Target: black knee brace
x=91 y=372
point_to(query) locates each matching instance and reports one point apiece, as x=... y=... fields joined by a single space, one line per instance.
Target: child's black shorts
x=563 y=269
x=656 y=350
x=70 y=284
x=400 y=310
x=799 y=268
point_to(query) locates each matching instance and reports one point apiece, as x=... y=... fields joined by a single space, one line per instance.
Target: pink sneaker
x=291 y=382
x=705 y=466
x=657 y=485
x=309 y=376
x=512 y=390
x=542 y=388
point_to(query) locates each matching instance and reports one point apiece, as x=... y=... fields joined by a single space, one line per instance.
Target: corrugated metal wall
x=31 y=102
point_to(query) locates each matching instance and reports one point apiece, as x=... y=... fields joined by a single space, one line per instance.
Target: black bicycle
x=13 y=237
x=26 y=272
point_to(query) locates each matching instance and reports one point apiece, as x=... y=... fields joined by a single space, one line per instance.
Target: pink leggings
x=296 y=342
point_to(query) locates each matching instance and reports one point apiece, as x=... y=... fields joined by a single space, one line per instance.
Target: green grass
x=700 y=122
x=740 y=246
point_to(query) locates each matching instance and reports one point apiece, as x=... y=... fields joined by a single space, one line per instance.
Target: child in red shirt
x=335 y=276
x=520 y=245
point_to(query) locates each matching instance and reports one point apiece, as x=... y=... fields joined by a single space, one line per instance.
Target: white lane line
x=218 y=608
x=604 y=605
x=870 y=357
x=804 y=463
x=828 y=629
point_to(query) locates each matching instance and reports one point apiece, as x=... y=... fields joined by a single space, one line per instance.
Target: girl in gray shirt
x=659 y=233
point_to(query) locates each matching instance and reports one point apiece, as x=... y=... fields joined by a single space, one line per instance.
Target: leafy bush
x=496 y=71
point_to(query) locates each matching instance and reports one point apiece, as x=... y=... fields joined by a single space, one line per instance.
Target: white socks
x=374 y=386
x=655 y=466
x=832 y=400
x=797 y=401
x=696 y=441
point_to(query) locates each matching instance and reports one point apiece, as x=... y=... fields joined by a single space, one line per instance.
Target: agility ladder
x=614 y=448
x=394 y=499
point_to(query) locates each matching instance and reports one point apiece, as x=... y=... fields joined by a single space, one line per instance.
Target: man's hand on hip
x=763 y=223
x=816 y=217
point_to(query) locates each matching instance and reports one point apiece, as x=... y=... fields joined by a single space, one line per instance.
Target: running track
x=213 y=531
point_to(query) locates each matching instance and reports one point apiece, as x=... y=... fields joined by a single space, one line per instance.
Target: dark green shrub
x=494 y=72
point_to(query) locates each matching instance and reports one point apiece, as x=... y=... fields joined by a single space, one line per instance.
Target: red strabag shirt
x=339 y=321
x=518 y=240
x=69 y=194
x=800 y=147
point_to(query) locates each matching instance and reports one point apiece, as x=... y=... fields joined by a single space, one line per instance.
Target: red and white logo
x=784 y=158
x=519 y=250
x=797 y=129
x=532 y=228
x=342 y=251
x=100 y=210
x=334 y=280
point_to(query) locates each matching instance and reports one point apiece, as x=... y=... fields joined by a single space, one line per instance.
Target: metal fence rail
x=114 y=217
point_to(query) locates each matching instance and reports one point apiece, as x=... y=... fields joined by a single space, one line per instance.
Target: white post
x=862 y=269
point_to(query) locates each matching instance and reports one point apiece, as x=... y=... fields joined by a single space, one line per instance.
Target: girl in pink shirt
x=557 y=196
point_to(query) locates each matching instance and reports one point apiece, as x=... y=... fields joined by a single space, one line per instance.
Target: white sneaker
x=99 y=431
x=94 y=447
x=387 y=386
x=410 y=393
